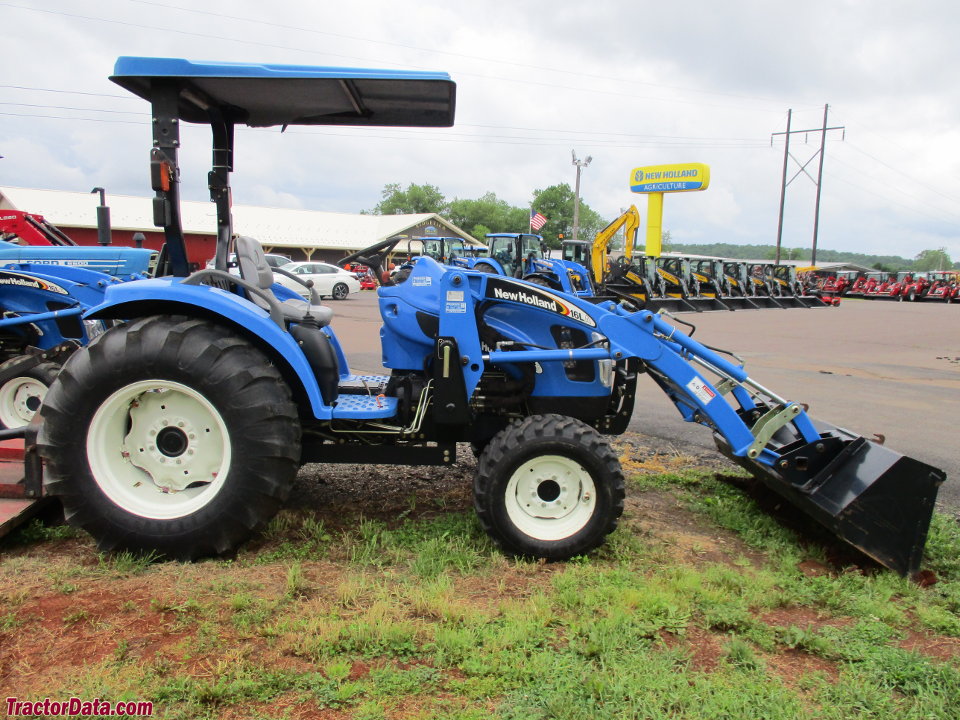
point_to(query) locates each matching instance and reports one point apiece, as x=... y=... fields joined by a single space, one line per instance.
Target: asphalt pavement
x=871 y=366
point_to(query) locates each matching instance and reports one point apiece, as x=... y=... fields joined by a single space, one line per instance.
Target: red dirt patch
x=704 y=647
x=61 y=632
x=802 y=617
x=791 y=665
x=939 y=647
x=662 y=517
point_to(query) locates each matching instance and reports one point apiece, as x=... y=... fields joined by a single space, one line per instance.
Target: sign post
x=654 y=181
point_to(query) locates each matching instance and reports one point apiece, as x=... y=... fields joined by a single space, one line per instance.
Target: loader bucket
x=739 y=302
x=766 y=302
x=708 y=304
x=870 y=496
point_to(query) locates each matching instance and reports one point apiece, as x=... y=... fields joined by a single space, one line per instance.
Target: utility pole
x=816 y=211
x=783 y=185
x=576 y=196
x=803 y=169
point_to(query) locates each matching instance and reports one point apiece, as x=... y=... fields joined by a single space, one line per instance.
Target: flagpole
x=530 y=221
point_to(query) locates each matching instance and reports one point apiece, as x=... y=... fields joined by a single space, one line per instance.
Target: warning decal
x=701 y=390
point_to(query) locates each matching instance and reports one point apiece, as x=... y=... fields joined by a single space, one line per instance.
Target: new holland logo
x=12 y=279
x=502 y=289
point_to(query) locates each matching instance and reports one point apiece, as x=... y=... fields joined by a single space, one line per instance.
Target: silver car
x=329 y=280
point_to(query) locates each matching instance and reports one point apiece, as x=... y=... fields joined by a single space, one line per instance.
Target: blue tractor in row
x=42 y=323
x=180 y=430
x=526 y=256
x=47 y=282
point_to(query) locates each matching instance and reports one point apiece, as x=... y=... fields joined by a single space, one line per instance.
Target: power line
x=945 y=215
x=445 y=137
x=418 y=48
x=311 y=51
x=81 y=119
x=82 y=109
x=591 y=132
x=68 y=92
x=591 y=135
x=903 y=173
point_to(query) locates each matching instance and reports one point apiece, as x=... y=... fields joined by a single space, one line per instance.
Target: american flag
x=537 y=220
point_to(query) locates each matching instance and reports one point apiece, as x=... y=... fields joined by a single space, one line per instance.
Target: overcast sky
x=627 y=83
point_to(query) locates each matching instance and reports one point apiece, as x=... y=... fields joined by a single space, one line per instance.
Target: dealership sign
x=670 y=178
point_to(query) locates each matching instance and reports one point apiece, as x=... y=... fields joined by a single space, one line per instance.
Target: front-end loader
x=180 y=430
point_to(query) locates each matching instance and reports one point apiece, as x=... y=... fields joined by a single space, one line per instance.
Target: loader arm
x=630 y=222
x=870 y=496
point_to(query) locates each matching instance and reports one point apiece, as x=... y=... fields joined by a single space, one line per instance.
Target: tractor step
x=364 y=407
x=363 y=384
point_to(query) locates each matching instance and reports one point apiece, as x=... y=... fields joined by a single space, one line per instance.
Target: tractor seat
x=254 y=269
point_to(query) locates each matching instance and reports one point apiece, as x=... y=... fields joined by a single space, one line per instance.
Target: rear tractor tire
x=549 y=487
x=21 y=396
x=170 y=435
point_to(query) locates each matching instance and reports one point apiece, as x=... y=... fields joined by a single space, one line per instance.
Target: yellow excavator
x=645 y=277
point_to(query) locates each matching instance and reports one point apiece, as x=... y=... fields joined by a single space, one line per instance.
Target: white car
x=273 y=260
x=329 y=280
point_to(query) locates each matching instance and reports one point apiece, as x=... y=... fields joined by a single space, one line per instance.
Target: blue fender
x=169 y=296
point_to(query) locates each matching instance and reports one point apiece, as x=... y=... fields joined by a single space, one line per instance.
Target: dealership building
x=300 y=234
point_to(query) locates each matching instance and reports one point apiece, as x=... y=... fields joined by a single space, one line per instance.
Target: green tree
x=933 y=260
x=415 y=199
x=487 y=214
x=556 y=204
x=666 y=241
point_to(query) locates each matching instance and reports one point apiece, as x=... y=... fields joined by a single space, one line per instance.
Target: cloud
x=629 y=84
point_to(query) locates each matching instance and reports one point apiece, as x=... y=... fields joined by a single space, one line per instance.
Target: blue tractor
x=525 y=256
x=42 y=323
x=180 y=431
x=46 y=282
x=30 y=238
x=445 y=250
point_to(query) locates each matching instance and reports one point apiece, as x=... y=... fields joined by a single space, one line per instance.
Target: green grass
x=423 y=618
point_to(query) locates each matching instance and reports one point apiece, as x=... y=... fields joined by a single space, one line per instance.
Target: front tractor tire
x=172 y=436
x=21 y=396
x=549 y=487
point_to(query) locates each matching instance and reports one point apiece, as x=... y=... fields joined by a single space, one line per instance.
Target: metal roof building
x=301 y=234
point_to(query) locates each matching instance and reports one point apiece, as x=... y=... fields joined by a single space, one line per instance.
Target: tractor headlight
x=94 y=328
x=604 y=367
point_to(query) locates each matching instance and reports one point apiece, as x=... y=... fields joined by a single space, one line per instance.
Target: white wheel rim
x=158 y=449
x=20 y=399
x=550 y=497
